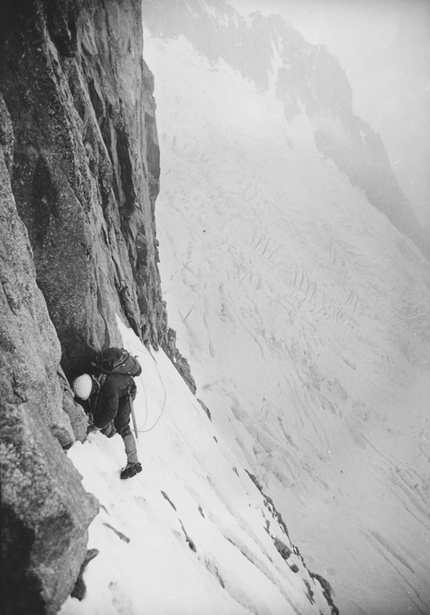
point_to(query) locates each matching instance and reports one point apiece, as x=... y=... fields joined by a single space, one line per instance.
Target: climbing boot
x=130 y=470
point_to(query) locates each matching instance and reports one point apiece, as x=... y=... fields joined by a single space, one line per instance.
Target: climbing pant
x=122 y=426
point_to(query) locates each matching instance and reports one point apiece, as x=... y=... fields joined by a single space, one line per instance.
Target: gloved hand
x=92 y=429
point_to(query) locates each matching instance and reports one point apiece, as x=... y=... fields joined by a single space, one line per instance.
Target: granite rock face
x=86 y=167
x=30 y=350
x=79 y=169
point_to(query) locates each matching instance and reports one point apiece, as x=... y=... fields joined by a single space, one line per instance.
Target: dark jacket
x=113 y=403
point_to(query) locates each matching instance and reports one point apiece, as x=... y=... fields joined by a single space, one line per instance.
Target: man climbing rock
x=109 y=397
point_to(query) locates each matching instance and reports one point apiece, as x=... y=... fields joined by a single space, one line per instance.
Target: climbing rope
x=145 y=393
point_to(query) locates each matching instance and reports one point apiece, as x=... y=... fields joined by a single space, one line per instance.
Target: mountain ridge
x=270 y=52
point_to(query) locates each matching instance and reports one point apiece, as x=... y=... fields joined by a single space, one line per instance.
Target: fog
x=384 y=47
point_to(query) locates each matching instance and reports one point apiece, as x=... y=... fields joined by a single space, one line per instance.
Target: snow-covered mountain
x=302 y=76
x=304 y=312
x=296 y=481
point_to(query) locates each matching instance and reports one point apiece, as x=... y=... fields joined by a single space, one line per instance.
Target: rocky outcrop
x=305 y=77
x=79 y=171
x=178 y=360
x=44 y=515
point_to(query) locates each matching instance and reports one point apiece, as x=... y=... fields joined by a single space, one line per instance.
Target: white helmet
x=82 y=386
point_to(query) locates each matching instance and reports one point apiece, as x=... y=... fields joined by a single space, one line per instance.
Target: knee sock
x=130 y=448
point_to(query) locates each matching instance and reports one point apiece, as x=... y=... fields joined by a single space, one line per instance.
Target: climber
x=108 y=401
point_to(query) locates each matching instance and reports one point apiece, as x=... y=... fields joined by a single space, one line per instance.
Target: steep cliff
x=79 y=178
x=85 y=173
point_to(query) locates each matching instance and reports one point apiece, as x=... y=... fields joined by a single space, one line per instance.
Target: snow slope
x=305 y=316
x=191 y=534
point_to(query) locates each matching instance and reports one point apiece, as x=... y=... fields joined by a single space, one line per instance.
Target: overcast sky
x=384 y=47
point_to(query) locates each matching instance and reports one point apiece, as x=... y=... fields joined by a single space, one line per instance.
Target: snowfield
x=191 y=534
x=306 y=319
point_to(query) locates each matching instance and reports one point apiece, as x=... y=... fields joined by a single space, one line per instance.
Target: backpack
x=116 y=361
